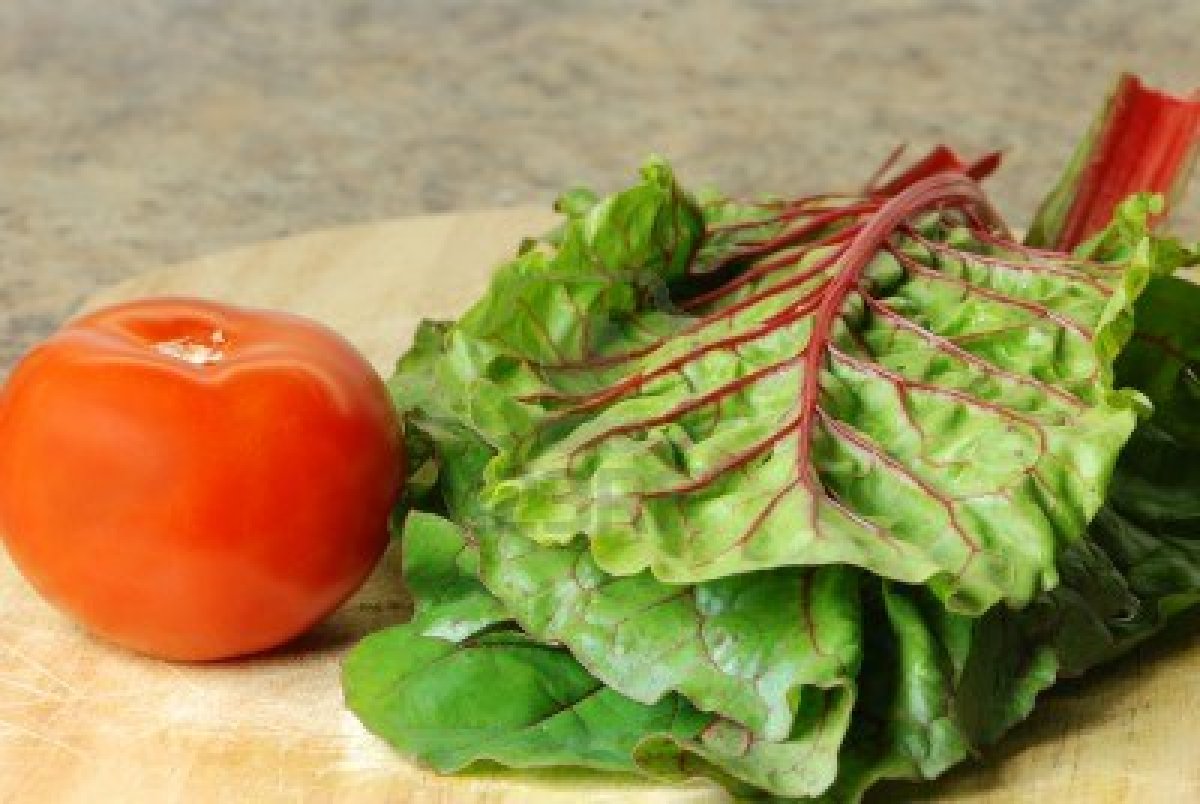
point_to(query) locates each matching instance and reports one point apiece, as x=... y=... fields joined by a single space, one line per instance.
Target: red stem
x=927 y=193
x=790 y=237
x=766 y=267
x=1144 y=145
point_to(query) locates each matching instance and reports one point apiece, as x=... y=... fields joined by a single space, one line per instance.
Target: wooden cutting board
x=81 y=721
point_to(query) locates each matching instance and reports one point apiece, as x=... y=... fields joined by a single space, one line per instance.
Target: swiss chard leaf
x=501 y=697
x=935 y=687
x=863 y=384
x=1146 y=540
x=1139 y=566
x=747 y=647
x=458 y=684
x=441 y=569
x=451 y=690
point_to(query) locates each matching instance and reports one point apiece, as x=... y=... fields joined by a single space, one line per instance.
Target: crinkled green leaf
x=773 y=653
x=801 y=767
x=954 y=422
x=1162 y=360
x=451 y=690
x=935 y=687
x=745 y=647
x=1124 y=239
x=1140 y=564
x=441 y=569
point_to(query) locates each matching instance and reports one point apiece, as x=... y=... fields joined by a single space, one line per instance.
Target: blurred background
x=139 y=133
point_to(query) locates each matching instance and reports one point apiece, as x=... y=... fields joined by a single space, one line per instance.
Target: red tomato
x=195 y=480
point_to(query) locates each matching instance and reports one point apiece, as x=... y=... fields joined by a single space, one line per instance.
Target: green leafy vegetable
x=532 y=705
x=923 y=400
x=431 y=686
x=1148 y=533
x=798 y=495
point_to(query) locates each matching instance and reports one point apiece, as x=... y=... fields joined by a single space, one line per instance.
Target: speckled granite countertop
x=140 y=133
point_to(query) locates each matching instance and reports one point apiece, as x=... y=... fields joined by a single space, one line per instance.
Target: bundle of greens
x=798 y=494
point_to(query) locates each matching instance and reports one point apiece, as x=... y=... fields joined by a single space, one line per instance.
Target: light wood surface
x=81 y=721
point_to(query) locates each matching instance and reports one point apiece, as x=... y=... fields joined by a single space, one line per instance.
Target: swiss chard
x=794 y=494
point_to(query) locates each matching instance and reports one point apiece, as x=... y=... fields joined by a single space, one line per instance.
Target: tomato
x=195 y=480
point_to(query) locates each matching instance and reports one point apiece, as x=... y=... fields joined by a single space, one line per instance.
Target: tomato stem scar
x=191 y=351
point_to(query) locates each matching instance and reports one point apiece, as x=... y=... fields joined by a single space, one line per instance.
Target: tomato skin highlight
x=195 y=480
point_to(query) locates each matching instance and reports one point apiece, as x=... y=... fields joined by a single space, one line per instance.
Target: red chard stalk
x=1144 y=140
